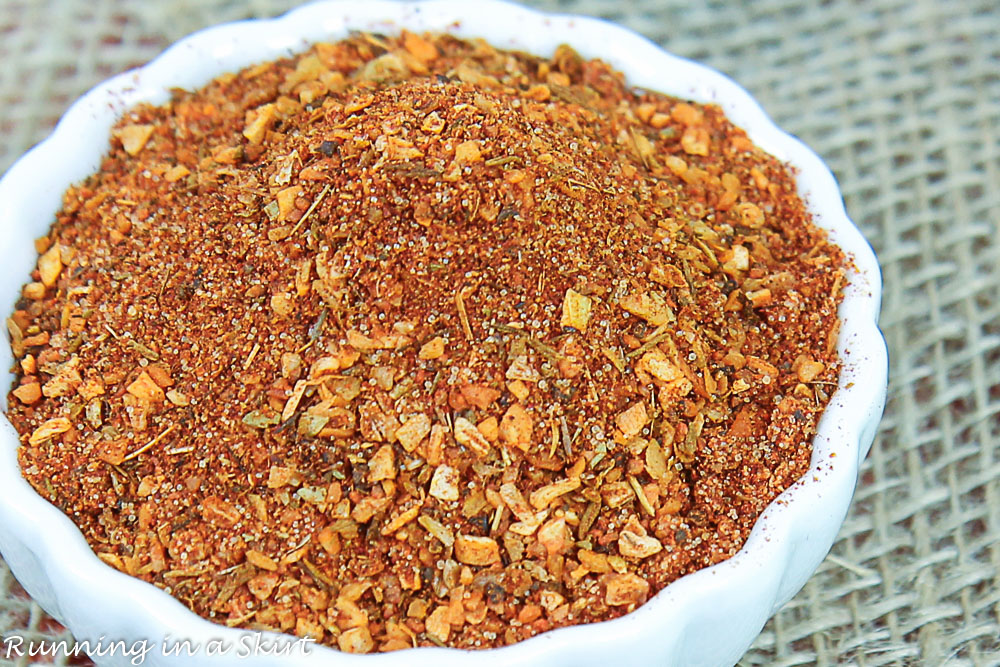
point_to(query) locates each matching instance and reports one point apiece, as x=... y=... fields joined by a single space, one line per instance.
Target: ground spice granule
x=411 y=341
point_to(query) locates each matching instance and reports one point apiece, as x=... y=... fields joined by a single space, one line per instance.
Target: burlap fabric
x=902 y=98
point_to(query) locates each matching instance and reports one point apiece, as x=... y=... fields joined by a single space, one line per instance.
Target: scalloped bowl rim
x=682 y=623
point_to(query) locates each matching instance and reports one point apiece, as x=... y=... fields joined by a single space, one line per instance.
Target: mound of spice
x=411 y=341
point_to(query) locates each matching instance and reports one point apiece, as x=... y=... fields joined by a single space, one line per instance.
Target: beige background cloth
x=902 y=98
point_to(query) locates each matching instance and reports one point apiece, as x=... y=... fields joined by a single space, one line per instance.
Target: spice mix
x=411 y=341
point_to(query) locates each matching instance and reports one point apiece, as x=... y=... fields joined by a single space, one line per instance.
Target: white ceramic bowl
x=706 y=618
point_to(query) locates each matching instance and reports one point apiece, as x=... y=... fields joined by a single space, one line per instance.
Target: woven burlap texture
x=902 y=99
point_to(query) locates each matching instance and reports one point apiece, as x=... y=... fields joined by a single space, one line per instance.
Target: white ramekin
x=706 y=618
